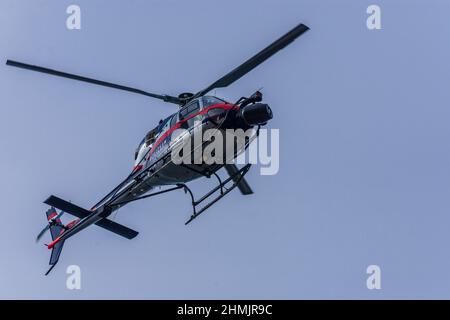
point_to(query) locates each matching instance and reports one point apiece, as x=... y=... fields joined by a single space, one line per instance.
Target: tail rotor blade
x=47 y=227
x=39 y=236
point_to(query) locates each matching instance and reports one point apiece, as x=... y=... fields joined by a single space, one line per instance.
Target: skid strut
x=221 y=187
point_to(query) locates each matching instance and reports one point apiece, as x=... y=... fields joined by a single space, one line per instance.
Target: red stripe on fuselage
x=224 y=106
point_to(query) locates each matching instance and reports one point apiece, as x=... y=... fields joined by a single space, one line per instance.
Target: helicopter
x=154 y=166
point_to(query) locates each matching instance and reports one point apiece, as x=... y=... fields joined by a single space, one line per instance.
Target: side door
x=189 y=112
x=188 y=122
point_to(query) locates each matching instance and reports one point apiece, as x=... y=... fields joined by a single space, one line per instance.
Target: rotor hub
x=185 y=95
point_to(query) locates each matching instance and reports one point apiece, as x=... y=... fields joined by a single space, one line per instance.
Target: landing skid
x=221 y=187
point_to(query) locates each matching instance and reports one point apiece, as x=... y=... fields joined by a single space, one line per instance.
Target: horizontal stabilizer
x=67 y=207
x=117 y=228
x=83 y=213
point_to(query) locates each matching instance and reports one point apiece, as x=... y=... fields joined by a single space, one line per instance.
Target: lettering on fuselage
x=160 y=150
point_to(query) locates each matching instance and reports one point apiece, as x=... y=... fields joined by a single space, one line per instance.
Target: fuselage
x=153 y=164
x=155 y=148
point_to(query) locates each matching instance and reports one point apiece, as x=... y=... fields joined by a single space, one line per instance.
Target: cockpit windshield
x=210 y=100
x=163 y=124
x=145 y=145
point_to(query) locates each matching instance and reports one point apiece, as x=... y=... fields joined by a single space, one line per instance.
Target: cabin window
x=150 y=137
x=216 y=115
x=209 y=101
x=192 y=121
x=174 y=120
x=164 y=126
x=186 y=112
x=191 y=108
x=138 y=149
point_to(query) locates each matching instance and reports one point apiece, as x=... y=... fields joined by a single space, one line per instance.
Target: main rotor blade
x=165 y=98
x=256 y=60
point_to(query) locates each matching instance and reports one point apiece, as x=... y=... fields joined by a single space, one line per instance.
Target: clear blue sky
x=364 y=172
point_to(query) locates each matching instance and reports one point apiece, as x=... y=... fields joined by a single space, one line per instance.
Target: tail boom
x=60 y=232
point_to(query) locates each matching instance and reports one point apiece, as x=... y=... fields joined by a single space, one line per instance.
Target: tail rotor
x=53 y=218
